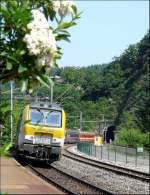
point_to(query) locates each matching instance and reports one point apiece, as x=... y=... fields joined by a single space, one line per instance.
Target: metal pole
x=0 y=92
x=99 y=129
x=108 y=150
x=105 y=137
x=136 y=157
x=101 y=152
x=1 y=125
x=115 y=153
x=75 y=121
x=126 y=154
x=11 y=108
x=52 y=90
x=80 y=121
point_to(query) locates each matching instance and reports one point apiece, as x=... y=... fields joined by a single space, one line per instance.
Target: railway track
x=66 y=182
x=74 y=174
x=109 y=167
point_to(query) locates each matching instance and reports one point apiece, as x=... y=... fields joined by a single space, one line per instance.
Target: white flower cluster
x=41 y=41
x=63 y=7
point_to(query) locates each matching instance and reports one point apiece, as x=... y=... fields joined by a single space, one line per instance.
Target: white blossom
x=56 y=5
x=40 y=40
x=63 y=7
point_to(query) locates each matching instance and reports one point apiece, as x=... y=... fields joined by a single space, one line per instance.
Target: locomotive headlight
x=58 y=141
x=29 y=137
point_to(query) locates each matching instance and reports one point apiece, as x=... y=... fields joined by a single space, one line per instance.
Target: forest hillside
x=117 y=91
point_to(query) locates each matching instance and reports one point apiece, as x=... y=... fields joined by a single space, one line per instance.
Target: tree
x=120 y=89
x=28 y=43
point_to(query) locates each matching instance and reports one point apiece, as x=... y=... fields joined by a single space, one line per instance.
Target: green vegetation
x=119 y=90
x=132 y=138
x=3 y=193
x=4 y=150
x=25 y=56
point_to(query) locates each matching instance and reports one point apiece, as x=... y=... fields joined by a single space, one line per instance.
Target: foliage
x=4 y=122
x=4 y=150
x=132 y=137
x=26 y=56
x=16 y=61
x=127 y=121
x=118 y=90
x=5 y=114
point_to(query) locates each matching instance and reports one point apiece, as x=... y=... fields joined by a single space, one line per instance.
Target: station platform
x=16 y=179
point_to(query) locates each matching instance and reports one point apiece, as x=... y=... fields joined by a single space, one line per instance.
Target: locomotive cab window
x=35 y=116
x=53 y=119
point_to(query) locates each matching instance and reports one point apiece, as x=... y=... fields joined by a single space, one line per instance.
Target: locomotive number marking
x=41 y=140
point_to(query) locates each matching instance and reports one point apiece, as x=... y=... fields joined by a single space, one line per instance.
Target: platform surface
x=16 y=179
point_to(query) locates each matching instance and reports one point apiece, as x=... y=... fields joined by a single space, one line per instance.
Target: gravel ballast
x=105 y=179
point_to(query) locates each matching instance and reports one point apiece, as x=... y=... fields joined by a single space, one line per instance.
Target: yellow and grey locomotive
x=41 y=131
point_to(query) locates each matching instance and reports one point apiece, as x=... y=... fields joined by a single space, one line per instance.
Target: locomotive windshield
x=53 y=119
x=45 y=117
x=36 y=116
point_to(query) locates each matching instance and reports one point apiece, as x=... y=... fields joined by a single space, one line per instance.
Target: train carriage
x=41 y=131
x=75 y=136
x=72 y=136
x=87 y=136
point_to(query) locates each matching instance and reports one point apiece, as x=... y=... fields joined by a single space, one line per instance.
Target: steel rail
x=109 y=167
x=66 y=177
x=25 y=162
x=51 y=181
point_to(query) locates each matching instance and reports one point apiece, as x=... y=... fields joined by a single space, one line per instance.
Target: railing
x=117 y=154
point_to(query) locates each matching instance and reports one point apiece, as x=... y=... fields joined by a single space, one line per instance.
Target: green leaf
x=52 y=14
x=62 y=37
x=42 y=80
x=50 y=81
x=65 y=32
x=8 y=147
x=3 y=53
x=21 y=69
x=64 y=25
x=9 y=66
x=24 y=85
x=22 y=52
x=74 y=9
x=78 y=16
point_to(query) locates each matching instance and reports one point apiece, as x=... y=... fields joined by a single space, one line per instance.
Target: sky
x=104 y=31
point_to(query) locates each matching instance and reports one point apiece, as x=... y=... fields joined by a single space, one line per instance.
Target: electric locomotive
x=41 y=131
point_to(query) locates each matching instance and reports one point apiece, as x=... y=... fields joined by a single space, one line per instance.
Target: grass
x=4 y=150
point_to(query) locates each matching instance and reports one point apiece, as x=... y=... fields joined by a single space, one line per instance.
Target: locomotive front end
x=42 y=132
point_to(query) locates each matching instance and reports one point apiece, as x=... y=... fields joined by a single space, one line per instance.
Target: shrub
x=132 y=137
x=4 y=150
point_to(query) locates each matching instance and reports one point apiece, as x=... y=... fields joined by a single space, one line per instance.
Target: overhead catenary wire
x=69 y=88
